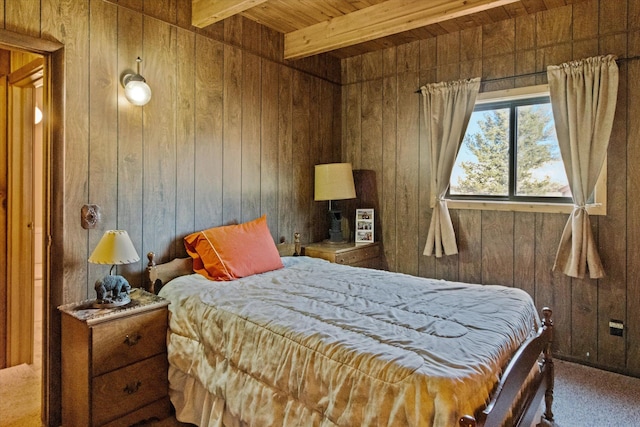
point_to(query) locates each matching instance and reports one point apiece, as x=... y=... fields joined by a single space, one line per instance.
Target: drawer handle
x=132 y=340
x=132 y=388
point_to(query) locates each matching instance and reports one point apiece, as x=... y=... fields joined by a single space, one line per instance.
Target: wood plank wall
x=232 y=132
x=383 y=130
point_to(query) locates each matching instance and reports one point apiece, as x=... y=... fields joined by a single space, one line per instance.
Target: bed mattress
x=321 y=344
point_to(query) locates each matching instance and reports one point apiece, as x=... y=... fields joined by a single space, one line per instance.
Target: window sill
x=563 y=208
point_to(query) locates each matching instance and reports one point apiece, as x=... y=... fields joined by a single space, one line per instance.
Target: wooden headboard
x=159 y=274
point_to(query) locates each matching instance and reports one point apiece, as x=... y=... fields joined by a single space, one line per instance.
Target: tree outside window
x=510 y=152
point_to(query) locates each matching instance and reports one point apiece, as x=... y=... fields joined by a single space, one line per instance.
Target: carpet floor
x=583 y=396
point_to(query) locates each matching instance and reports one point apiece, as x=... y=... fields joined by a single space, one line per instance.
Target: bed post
x=547 y=360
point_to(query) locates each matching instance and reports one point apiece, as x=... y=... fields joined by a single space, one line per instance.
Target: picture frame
x=365 y=232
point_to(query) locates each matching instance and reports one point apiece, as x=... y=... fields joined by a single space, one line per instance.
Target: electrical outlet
x=616 y=327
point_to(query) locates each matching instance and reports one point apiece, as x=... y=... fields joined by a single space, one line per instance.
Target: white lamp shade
x=115 y=247
x=334 y=181
x=137 y=92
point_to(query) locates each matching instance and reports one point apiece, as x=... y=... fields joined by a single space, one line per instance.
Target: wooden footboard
x=515 y=386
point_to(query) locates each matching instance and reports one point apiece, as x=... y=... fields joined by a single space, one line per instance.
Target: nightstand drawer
x=125 y=390
x=128 y=339
x=357 y=256
x=366 y=255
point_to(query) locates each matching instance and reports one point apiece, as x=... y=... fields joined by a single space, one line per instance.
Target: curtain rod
x=535 y=73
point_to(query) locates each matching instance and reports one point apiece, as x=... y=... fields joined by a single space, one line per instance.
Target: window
x=509 y=158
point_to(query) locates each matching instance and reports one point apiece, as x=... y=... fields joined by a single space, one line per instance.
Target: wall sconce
x=136 y=89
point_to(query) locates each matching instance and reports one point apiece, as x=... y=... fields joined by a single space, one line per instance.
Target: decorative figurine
x=112 y=291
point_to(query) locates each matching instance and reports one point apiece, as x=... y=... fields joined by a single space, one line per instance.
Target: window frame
x=526 y=203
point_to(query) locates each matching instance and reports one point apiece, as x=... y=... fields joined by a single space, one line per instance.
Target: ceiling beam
x=207 y=12
x=380 y=20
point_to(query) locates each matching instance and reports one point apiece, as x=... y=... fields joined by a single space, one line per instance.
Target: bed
x=313 y=343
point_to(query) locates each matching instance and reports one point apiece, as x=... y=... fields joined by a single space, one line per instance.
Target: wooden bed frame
x=518 y=395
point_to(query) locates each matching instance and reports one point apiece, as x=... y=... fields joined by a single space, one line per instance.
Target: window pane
x=539 y=168
x=482 y=165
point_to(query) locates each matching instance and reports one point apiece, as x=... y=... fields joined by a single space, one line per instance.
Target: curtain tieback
x=585 y=207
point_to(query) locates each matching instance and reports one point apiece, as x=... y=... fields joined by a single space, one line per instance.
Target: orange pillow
x=233 y=251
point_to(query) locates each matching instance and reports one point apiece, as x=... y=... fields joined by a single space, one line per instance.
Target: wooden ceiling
x=351 y=27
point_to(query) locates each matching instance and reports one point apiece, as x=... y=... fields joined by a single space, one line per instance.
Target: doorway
x=22 y=186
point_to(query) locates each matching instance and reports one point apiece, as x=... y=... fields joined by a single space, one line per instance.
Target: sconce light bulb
x=137 y=91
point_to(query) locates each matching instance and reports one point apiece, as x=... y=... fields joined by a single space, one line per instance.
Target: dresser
x=114 y=362
x=355 y=254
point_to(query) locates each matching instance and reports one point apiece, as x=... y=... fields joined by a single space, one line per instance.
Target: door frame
x=53 y=231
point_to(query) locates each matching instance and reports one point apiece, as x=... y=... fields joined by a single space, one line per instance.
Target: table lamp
x=334 y=181
x=114 y=248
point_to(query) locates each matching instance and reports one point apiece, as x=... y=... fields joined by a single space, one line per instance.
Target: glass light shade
x=37 y=118
x=137 y=92
x=115 y=247
x=334 y=181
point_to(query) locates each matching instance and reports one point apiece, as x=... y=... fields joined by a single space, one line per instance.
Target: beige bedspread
x=320 y=344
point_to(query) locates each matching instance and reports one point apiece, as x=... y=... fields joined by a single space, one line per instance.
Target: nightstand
x=114 y=362
x=357 y=255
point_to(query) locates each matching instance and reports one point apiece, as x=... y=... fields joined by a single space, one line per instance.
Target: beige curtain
x=447 y=110
x=583 y=98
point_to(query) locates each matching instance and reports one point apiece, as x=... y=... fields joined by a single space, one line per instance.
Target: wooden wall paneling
x=269 y=146
x=371 y=140
x=585 y=21
x=469 y=237
x=428 y=55
x=524 y=233
x=103 y=131
x=426 y=265
x=584 y=319
x=448 y=65
x=632 y=336
x=633 y=15
x=272 y=44
x=613 y=16
x=554 y=26
x=497 y=248
x=232 y=136
x=388 y=215
x=185 y=138
x=352 y=136
x=251 y=36
x=286 y=223
x=137 y=5
x=130 y=151
x=316 y=216
x=72 y=29
x=408 y=173
x=165 y=10
x=23 y=17
x=251 y=144
x=553 y=288
x=208 y=160
x=159 y=138
x=233 y=28
x=612 y=288
x=302 y=162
